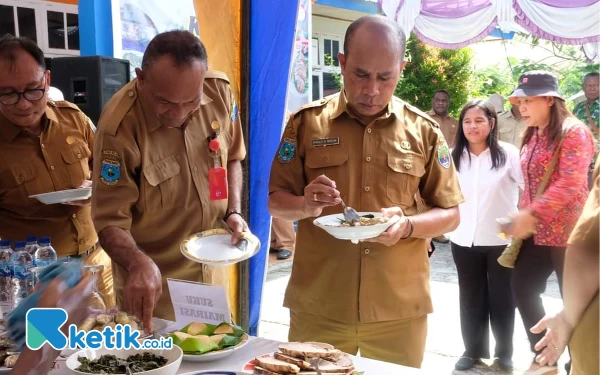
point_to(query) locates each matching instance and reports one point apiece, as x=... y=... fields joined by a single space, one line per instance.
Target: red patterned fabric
x=561 y=203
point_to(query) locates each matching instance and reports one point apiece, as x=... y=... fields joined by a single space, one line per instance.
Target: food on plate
x=366 y=220
x=304 y=358
x=111 y=364
x=98 y=323
x=199 y=338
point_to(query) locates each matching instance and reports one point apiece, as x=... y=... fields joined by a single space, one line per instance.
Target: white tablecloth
x=257 y=347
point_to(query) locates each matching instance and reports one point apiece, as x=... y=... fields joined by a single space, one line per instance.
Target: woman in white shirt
x=490 y=175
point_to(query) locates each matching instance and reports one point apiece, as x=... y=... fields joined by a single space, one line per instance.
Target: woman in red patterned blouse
x=545 y=223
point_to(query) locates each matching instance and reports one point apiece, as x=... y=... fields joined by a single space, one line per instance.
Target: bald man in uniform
x=375 y=152
x=45 y=146
x=151 y=164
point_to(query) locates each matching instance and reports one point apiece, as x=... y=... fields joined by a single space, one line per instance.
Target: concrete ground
x=444 y=341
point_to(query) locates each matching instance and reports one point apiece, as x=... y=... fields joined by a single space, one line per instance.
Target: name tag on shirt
x=325 y=142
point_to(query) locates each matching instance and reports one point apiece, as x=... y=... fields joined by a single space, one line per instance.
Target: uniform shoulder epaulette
x=116 y=109
x=423 y=114
x=63 y=104
x=215 y=74
x=314 y=104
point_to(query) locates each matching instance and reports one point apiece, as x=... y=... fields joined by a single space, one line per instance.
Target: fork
x=314 y=362
x=350 y=214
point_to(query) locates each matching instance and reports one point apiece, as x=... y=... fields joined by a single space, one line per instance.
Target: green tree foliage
x=429 y=69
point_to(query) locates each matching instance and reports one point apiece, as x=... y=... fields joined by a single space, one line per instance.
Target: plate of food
x=371 y=225
x=8 y=355
x=112 y=361
x=214 y=247
x=64 y=196
x=303 y=358
x=203 y=342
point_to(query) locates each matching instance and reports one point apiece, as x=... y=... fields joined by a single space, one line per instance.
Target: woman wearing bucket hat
x=556 y=151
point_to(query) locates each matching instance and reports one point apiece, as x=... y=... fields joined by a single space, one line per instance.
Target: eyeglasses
x=14 y=97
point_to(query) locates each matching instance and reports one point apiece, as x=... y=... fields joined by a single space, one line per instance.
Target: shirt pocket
x=77 y=160
x=331 y=163
x=506 y=133
x=403 y=176
x=161 y=183
x=19 y=182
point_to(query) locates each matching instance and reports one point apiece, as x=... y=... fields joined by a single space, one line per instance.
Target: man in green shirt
x=588 y=111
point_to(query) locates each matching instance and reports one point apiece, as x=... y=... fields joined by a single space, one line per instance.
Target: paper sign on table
x=197 y=302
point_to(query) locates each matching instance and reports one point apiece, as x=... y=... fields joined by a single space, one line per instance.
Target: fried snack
x=88 y=324
x=11 y=360
x=103 y=319
x=121 y=318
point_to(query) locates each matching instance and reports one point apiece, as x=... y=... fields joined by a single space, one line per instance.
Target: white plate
x=217 y=354
x=331 y=224
x=214 y=247
x=64 y=196
x=174 y=357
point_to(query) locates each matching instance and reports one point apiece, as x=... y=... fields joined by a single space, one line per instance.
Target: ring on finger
x=315 y=197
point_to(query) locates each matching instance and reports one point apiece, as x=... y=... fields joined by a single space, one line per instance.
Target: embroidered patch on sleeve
x=110 y=171
x=287 y=150
x=444 y=155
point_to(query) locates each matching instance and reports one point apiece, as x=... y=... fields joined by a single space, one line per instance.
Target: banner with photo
x=300 y=82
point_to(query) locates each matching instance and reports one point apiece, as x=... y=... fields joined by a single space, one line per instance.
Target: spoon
x=242 y=244
x=350 y=214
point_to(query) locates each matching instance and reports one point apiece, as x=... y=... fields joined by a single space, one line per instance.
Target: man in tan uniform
x=45 y=146
x=283 y=238
x=439 y=112
x=511 y=126
x=151 y=164
x=376 y=152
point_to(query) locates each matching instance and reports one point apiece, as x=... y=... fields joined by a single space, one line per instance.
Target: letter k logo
x=43 y=325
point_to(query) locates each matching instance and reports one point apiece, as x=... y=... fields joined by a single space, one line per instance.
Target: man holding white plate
x=45 y=147
x=373 y=151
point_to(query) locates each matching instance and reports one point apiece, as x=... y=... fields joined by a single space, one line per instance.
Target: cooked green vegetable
x=110 y=364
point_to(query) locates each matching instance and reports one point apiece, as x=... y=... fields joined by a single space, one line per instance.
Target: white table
x=257 y=347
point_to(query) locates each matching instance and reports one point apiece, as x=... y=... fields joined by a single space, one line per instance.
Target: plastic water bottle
x=22 y=277
x=6 y=294
x=32 y=244
x=45 y=255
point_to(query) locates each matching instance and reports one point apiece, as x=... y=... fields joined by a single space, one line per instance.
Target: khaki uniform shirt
x=448 y=126
x=380 y=165
x=584 y=343
x=59 y=159
x=153 y=180
x=510 y=130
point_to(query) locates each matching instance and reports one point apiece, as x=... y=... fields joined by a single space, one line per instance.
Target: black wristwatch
x=233 y=212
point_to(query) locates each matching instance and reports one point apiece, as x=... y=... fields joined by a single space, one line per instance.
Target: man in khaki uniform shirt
x=375 y=152
x=151 y=164
x=45 y=146
x=511 y=126
x=439 y=112
x=578 y=324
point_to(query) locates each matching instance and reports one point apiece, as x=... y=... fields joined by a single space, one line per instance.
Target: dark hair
x=182 y=46
x=558 y=113
x=443 y=92
x=590 y=75
x=390 y=26
x=497 y=152
x=9 y=44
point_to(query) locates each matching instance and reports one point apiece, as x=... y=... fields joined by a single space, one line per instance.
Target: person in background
x=577 y=323
x=283 y=238
x=511 y=126
x=497 y=101
x=151 y=172
x=544 y=223
x=439 y=112
x=373 y=296
x=45 y=146
x=490 y=176
x=588 y=111
x=448 y=126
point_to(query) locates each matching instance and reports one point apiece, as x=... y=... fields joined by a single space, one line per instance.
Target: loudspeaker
x=89 y=81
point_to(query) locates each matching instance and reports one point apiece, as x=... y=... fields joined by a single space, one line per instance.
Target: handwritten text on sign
x=197 y=302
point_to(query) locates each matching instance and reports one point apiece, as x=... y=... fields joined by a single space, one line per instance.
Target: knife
x=242 y=244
